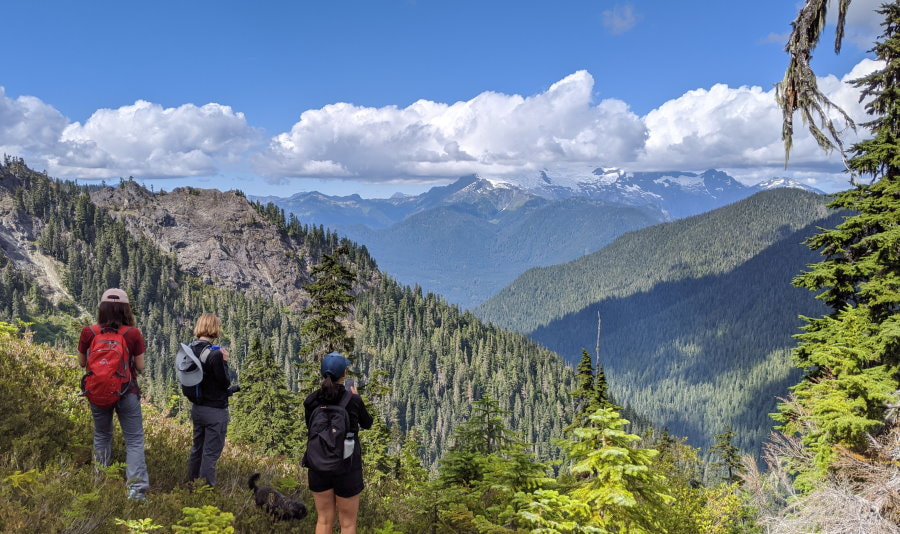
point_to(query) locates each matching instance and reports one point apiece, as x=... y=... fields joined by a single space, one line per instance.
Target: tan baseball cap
x=114 y=295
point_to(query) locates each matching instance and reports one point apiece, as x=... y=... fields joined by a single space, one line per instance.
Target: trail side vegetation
x=488 y=480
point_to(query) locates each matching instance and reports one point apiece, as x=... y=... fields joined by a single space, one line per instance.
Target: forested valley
x=697 y=316
x=517 y=442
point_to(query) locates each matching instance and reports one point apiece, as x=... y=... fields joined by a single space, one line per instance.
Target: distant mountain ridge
x=678 y=193
x=468 y=239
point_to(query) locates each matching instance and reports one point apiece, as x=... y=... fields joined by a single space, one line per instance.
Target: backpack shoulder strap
x=95 y=331
x=205 y=354
x=345 y=400
x=124 y=329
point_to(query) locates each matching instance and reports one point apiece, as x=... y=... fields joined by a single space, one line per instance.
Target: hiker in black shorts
x=338 y=489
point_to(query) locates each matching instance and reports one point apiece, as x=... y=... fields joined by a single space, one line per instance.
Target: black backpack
x=325 y=448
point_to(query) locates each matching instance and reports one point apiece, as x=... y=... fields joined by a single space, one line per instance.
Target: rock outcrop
x=218 y=237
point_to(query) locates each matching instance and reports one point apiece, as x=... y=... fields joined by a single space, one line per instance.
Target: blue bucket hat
x=334 y=364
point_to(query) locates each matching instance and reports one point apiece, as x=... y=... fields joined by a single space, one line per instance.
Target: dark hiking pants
x=210 y=426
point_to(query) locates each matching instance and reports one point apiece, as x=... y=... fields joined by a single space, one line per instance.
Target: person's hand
x=353 y=390
x=224 y=354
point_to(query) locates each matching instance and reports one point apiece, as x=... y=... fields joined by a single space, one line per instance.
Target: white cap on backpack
x=187 y=366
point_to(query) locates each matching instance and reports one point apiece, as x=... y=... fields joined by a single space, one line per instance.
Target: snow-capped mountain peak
x=781 y=181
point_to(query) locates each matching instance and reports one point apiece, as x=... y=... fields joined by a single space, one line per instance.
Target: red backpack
x=108 y=375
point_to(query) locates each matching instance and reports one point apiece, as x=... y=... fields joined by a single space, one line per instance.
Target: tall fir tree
x=851 y=357
x=586 y=393
x=601 y=388
x=265 y=413
x=728 y=456
x=331 y=296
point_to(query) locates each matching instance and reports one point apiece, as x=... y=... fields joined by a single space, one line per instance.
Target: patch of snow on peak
x=606 y=175
x=498 y=182
x=686 y=181
x=781 y=181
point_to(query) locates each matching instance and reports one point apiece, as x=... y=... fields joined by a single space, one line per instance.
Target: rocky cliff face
x=18 y=232
x=218 y=237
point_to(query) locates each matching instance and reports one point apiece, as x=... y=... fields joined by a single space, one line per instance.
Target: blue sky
x=211 y=93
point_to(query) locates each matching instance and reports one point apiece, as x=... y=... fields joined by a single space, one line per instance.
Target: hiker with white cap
x=112 y=353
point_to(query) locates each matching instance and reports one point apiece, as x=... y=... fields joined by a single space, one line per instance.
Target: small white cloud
x=620 y=18
x=147 y=140
x=492 y=134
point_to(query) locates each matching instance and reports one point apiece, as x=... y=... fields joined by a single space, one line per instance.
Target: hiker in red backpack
x=334 y=415
x=112 y=353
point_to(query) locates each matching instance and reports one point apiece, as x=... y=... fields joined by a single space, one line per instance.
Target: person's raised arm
x=365 y=418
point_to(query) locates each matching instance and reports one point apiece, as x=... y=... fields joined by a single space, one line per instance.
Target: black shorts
x=345 y=484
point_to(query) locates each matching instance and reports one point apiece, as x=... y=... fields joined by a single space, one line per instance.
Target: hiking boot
x=136 y=495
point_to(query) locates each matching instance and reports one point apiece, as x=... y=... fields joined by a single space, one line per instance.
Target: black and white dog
x=282 y=507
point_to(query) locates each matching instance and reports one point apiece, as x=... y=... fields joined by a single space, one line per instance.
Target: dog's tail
x=253 y=478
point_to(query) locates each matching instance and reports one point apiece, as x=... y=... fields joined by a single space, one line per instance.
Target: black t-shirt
x=356 y=409
x=212 y=391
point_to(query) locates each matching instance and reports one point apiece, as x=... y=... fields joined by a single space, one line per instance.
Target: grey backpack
x=188 y=367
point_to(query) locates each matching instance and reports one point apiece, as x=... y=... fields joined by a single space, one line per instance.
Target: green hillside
x=437 y=359
x=697 y=316
x=701 y=353
x=702 y=245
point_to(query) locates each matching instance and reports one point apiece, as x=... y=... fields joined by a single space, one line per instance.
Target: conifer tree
x=265 y=413
x=618 y=481
x=850 y=357
x=586 y=393
x=485 y=431
x=729 y=456
x=331 y=301
x=601 y=388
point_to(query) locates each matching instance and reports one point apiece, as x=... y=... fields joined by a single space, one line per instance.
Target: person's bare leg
x=347 y=510
x=325 y=511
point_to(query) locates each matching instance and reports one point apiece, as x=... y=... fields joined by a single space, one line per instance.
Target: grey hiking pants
x=128 y=409
x=210 y=426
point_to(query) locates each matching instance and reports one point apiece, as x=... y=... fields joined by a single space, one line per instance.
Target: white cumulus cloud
x=147 y=140
x=728 y=127
x=493 y=134
x=28 y=126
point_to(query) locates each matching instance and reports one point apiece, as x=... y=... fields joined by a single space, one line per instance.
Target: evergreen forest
x=696 y=316
x=479 y=430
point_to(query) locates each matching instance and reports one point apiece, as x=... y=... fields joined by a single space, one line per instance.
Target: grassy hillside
x=47 y=483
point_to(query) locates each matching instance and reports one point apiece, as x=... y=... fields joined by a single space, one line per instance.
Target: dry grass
x=861 y=495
